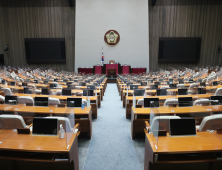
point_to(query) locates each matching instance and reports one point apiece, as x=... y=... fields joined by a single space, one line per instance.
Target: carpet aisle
x=111 y=146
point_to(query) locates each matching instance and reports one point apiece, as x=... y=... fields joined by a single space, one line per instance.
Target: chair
x=192 y=88
x=7 y=91
x=53 y=101
x=164 y=87
x=111 y=61
x=84 y=101
x=2 y=99
x=139 y=92
x=203 y=102
x=25 y=99
x=181 y=86
x=210 y=123
x=218 y=92
x=170 y=102
x=161 y=123
x=27 y=91
x=12 y=122
x=140 y=102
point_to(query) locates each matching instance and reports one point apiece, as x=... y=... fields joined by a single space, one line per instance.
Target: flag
x=102 y=60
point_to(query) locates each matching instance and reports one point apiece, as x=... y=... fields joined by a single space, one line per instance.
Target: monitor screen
x=91 y=87
x=203 y=84
x=182 y=92
x=179 y=49
x=201 y=91
x=173 y=86
x=185 y=101
x=74 y=102
x=43 y=126
x=66 y=92
x=143 y=83
x=12 y=83
x=11 y=100
x=132 y=87
x=182 y=127
x=52 y=85
x=41 y=101
x=139 y=92
x=157 y=82
x=216 y=100
x=27 y=90
x=151 y=102
x=215 y=83
x=161 y=92
x=87 y=92
x=24 y=84
x=45 y=91
x=45 y=50
x=154 y=87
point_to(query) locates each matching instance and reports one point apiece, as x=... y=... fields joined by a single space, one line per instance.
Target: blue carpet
x=111 y=146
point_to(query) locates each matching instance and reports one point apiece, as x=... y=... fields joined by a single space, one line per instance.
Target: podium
x=111 y=72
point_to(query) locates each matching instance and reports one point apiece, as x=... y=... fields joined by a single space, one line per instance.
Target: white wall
x=95 y=17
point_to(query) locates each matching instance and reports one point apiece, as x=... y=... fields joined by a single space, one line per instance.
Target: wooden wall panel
x=186 y=18
x=36 y=19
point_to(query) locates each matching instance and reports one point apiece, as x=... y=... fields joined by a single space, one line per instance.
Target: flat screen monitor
x=215 y=83
x=12 y=100
x=154 y=87
x=203 y=84
x=45 y=50
x=3 y=81
x=143 y=83
x=46 y=82
x=182 y=92
x=24 y=84
x=179 y=49
x=132 y=87
x=71 y=86
x=182 y=127
x=216 y=100
x=66 y=92
x=27 y=90
x=201 y=91
x=87 y=92
x=185 y=101
x=36 y=81
x=151 y=102
x=45 y=91
x=157 y=82
x=173 y=86
x=12 y=83
x=139 y=92
x=41 y=101
x=129 y=83
x=161 y=92
x=74 y=102
x=91 y=87
x=53 y=86
x=44 y=126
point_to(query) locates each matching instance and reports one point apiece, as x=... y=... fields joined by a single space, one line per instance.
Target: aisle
x=111 y=146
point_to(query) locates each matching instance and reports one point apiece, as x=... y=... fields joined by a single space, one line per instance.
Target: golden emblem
x=111 y=37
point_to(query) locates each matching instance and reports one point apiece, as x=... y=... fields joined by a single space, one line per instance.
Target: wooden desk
x=180 y=150
x=36 y=148
x=140 y=115
x=82 y=116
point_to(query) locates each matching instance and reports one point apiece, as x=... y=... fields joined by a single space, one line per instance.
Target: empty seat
x=53 y=101
x=140 y=102
x=12 y=122
x=2 y=99
x=203 y=102
x=211 y=123
x=170 y=102
x=181 y=86
x=218 y=92
x=7 y=91
x=25 y=99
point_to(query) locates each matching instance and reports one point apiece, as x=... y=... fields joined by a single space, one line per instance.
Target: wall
x=36 y=19
x=186 y=18
x=95 y=17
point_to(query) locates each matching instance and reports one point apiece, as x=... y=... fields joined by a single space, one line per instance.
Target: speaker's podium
x=112 y=71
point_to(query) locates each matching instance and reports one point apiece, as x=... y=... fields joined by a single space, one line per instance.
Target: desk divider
x=70 y=126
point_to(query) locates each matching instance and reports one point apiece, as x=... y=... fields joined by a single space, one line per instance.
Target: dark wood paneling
x=186 y=18
x=36 y=19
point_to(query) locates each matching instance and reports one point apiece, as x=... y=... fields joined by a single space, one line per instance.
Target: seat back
x=203 y=102
x=53 y=101
x=66 y=124
x=170 y=102
x=25 y=99
x=211 y=123
x=7 y=91
x=218 y=92
x=12 y=122
x=140 y=102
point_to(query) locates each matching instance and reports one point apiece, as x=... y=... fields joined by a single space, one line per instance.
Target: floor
x=111 y=146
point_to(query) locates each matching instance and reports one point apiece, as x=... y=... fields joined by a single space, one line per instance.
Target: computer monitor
x=215 y=83
x=154 y=87
x=132 y=87
x=46 y=82
x=56 y=80
x=41 y=101
x=27 y=90
x=173 y=86
x=88 y=92
x=24 y=84
x=3 y=81
x=12 y=83
x=182 y=127
x=203 y=84
x=201 y=91
x=27 y=80
x=53 y=86
x=36 y=81
x=45 y=91
x=91 y=87
x=182 y=92
x=216 y=100
x=74 y=102
x=151 y=102
x=150 y=81
x=129 y=83
x=185 y=101
x=139 y=92
x=45 y=126
x=157 y=83
x=143 y=83
x=12 y=100
x=71 y=86
x=161 y=92
x=66 y=92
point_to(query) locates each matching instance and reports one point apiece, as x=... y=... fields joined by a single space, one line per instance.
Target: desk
x=177 y=150
x=33 y=148
x=82 y=116
x=140 y=115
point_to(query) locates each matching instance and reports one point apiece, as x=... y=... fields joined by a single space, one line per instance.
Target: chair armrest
x=29 y=126
x=146 y=126
x=77 y=126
